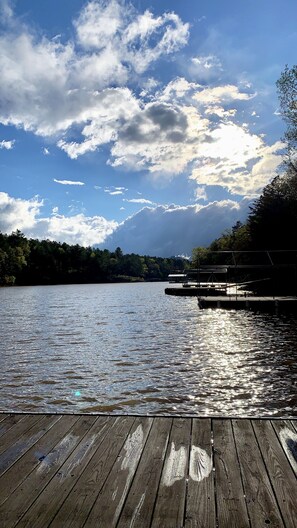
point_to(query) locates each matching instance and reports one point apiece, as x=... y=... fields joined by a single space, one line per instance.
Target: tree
x=272 y=222
x=287 y=92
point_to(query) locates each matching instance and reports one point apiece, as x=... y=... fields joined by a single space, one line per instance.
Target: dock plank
x=20 y=428
x=82 y=471
x=109 y=503
x=200 y=510
x=25 y=442
x=139 y=506
x=18 y=472
x=279 y=470
x=287 y=435
x=30 y=498
x=231 y=506
x=81 y=498
x=170 y=501
x=8 y=421
x=261 y=503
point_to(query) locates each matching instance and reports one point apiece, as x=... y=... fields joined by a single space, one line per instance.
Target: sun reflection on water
x=129 y=348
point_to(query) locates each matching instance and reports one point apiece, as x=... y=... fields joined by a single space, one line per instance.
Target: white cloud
x=16 y=213
x=98 y=24
x=25 y=215
x=205 y=67
x=161 y=231
x=222 y=94
x=76 y=229
x=82 y=93
x=138 y=201
x=175 y=230
x=69 y=182
x=115 y=191
x=237 y=160
x=8 y=145
x=200 y=193
x=59 y=84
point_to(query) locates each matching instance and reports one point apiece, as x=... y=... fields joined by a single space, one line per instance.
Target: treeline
x=24 y=262
x=271 y=225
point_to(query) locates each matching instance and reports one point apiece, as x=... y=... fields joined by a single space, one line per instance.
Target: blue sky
x=146 y=125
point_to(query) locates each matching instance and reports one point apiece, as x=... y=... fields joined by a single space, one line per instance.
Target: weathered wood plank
x=17 y=430
x=25 y=442
x=80 y=500
x=46 y=506
x=87 y=471
x=200 y=511
x=7 y=421
x=32 y=488
x=109 y=503
x=140 y=502
x=287 y=435
x=170 y=502
x=19 y=471
x=231 y=506
x=280 y=473
x=260 y=499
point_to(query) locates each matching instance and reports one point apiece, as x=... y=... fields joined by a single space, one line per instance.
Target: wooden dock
x=132 y=471
x=237 y=302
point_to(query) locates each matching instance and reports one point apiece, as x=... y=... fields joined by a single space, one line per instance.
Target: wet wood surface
x=132 y=471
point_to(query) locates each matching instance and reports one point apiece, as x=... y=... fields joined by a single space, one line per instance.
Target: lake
x=129 y=348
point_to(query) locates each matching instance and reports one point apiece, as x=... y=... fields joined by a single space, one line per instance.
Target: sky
x=148 y=125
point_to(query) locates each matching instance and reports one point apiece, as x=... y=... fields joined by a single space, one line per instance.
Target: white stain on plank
x=80 y=453
x=137 y=511
x=175 y=466
x=289 y=442
x=200 y=464
x=133 y=449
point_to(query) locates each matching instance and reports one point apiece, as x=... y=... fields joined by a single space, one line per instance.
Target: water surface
x=129 y=348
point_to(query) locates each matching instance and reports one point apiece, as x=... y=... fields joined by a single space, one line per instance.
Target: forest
x=24 y=262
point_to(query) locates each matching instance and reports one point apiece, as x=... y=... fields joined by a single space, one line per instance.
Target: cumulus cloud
x=25 y=215
x=8 y=145
x=69 y=182
x=174 y=230
x=82 y=92
x=76 y=229
x=162 y=230
x=60 y=85
x=16 y=213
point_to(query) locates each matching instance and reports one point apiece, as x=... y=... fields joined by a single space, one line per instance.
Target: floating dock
x=130 y=471
x=238 y=302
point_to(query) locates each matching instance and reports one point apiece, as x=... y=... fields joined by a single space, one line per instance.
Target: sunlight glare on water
x=130 y=348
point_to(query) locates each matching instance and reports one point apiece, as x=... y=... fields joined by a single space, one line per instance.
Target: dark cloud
x=166 y=117
x=154 y=122
x=167 y=231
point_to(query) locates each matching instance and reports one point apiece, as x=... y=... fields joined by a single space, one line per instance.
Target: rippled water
x=129 y=348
